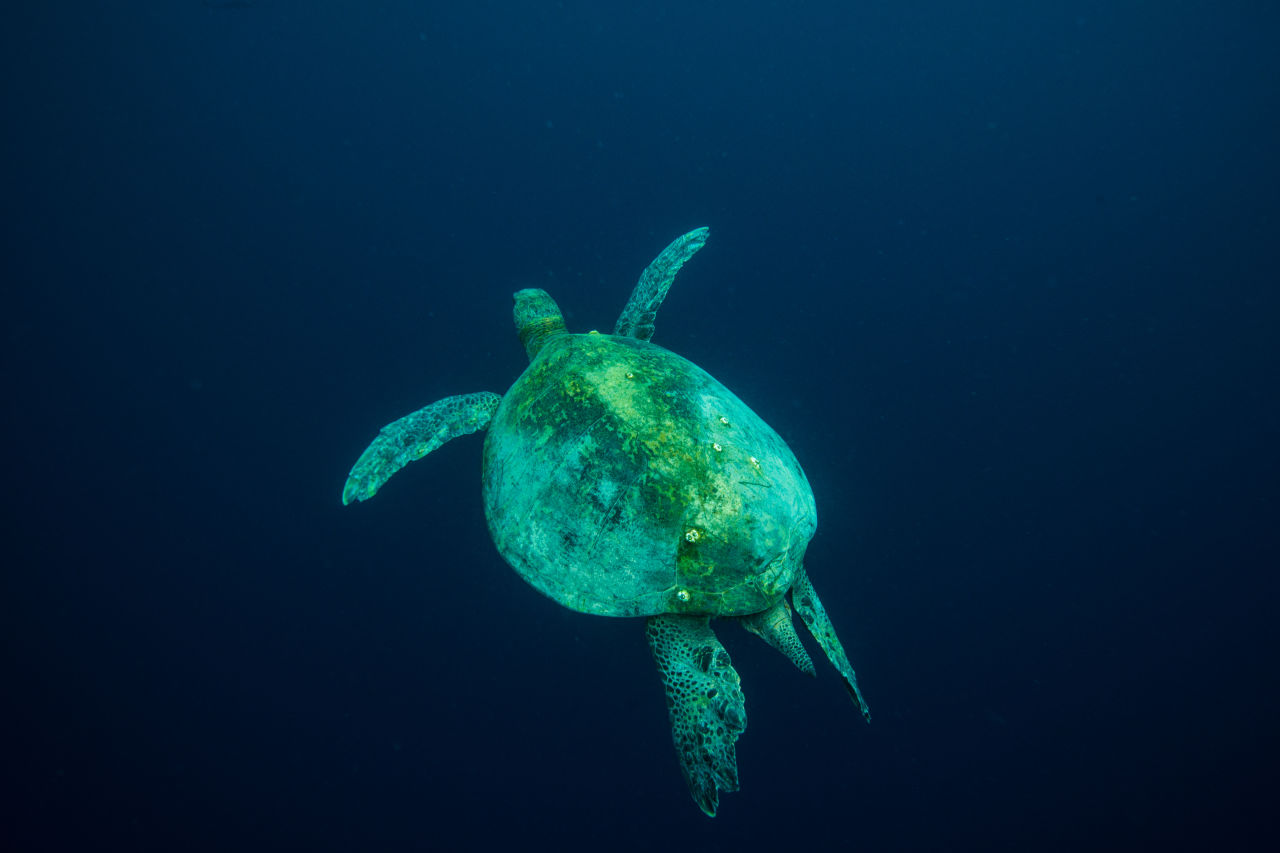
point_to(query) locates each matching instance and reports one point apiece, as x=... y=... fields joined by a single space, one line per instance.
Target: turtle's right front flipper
x=414 y=436
x=707 y=708
x=637 y=317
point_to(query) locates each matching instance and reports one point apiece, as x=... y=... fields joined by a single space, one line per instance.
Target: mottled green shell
x=623 y=480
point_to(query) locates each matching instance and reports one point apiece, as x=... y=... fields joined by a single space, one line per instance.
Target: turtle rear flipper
x=636 y=320
x=414 y=436
x=707 y=708
x=819 y=624
x=775 y=628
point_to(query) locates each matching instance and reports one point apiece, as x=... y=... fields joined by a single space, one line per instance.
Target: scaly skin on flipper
x=815 y=618
x=708 y=711
x=775 y=628
x=636 y=320
x=414 y=436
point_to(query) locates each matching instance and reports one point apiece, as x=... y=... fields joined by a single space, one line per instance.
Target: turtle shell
x=623 y=480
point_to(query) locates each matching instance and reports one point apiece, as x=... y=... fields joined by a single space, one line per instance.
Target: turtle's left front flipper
x=414 y=436
x=707 y=708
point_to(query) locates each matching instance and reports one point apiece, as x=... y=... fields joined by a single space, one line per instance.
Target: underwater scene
x=601 y=426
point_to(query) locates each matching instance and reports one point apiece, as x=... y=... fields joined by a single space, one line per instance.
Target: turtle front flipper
x=815 y=618
x=637 y=317
x=414 y=436
x=707 y=708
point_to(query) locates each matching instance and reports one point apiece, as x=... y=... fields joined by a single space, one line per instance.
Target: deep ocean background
x=1003 y=274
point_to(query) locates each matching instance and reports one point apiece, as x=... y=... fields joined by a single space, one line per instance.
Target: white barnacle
x=683 y=595
x=716 y=447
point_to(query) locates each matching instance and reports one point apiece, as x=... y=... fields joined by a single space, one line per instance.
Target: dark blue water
x=1003 y=274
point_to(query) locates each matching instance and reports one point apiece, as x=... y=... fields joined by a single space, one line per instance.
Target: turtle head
x=537 y=318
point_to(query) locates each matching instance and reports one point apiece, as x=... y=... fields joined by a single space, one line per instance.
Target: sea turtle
x=622 y=480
